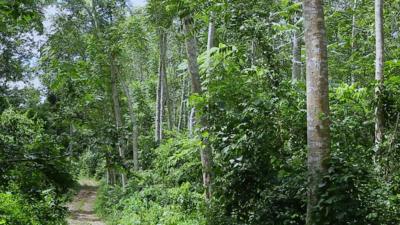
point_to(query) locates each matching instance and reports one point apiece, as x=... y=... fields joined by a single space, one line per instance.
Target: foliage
x=167 y=194
x=27 y=151
x=97 y=53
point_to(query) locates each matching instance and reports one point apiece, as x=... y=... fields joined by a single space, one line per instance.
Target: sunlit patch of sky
x=137 y=3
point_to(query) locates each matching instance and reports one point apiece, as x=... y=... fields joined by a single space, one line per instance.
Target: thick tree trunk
x=135 y=132
x=379 y=77
x=117 y=112
x=191 y=50
x=318 y=133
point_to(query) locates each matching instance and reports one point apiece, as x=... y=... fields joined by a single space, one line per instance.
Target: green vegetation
x=168 y=193
x=242 y=112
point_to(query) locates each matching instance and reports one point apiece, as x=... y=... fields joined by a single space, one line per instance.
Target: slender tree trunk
x=182 y=105
x=379 y=77
x=117 y=112
x=210 y=41
x=135 y=132
x=160 y=88
x=71 y=134
x=167 y=100
x=191 y=121
x=191 y=50
x=353 y=40
x=318 y=133
x=158 y=120
x=253 y=51
x=110 y=174
x=296 y=57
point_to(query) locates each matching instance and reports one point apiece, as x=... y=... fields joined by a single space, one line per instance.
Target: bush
x=34 y=176
x=17 y=210
x=168 y=194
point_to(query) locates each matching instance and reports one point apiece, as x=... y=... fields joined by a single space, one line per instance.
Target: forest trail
x=82 y=207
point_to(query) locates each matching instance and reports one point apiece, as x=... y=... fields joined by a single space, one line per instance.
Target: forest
x=200 y=112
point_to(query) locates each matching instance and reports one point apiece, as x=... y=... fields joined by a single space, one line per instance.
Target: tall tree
x=117 y=111
x=296 y=56
x=135 y=130
x=191 y=50
x=318 y=133
x=161 y=92
x=379 y=77
x=210 y=40
x=353 y=39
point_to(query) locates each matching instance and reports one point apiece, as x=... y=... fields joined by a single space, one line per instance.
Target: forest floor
x=82 y=207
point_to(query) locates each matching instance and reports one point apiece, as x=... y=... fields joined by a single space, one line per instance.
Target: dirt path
x=82 y=207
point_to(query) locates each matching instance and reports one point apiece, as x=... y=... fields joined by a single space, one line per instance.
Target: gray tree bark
x=166 y=96
x=318 y=133
x=296 y=57
x=117 y=112
x=71 y=134
x=205 y=153
x=160 y=88
x=135 y=132
x=182 y=111
x=253 y=51
x=379 y=76
x=210 y=41
x=353 y=39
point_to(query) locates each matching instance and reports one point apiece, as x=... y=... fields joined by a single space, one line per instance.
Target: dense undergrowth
x=167 y=193
x=35 y=180
x=261 y=179
x=100 y=67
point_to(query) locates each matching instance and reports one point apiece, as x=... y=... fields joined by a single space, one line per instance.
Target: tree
x=210 y=40
x=296 y=56
x=193 y=67
x=135 y=132
x=353 y=38
x=379 y=76
x=117 y=112
x=318 y=132
x=161 y=85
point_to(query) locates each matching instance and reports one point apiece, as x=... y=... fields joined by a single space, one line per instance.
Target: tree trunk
x=253 y=51
x=181 y=118
x=191 y=50
x=135 y=149
x=379 y=77
x=160 y=88
x=318 y=133
x=191 y=121
x=71 y=144
x=117 y=113
x=166 y=96
x=353 y=40
x=296 y=57
x=110 y=175
x=210 y=41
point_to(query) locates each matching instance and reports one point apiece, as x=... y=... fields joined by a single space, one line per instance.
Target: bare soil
x=82 y=207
